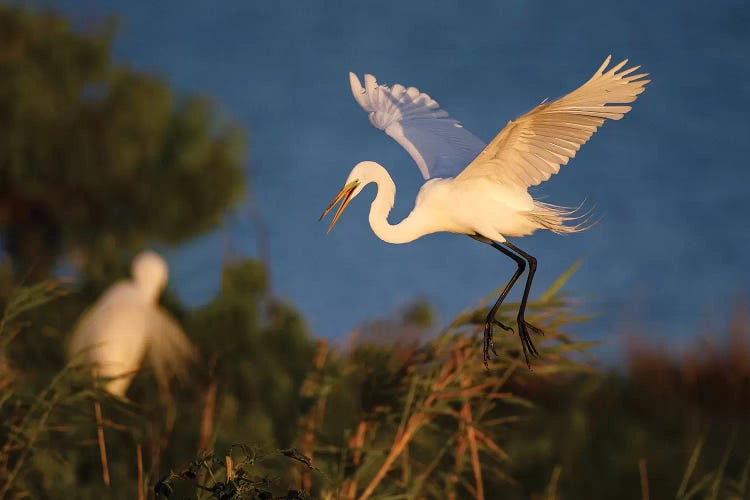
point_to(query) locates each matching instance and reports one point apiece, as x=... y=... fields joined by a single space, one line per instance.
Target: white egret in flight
x=126 y=324
x=482 y=190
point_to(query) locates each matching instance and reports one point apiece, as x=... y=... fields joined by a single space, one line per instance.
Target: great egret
x=126 y=323
x=482 y=190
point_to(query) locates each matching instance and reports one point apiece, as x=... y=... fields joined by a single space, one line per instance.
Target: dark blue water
x=671 y=179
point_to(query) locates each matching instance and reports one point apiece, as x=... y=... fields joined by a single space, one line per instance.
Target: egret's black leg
x=489 y=345
x=523 y=326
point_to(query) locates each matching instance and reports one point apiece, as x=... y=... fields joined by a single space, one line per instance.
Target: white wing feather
x=531 y=148
x=439 y=145
x=170 y=352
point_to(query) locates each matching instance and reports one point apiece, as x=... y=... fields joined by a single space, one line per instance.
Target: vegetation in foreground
x=276 y=416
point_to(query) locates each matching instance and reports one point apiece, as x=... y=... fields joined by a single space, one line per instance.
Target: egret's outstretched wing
x=440 y=146
x=531 y=148
x=169 y=350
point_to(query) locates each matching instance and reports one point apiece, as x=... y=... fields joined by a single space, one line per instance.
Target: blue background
x=670 y=180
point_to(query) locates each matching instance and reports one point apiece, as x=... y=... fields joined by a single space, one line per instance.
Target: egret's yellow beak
x=346 y=195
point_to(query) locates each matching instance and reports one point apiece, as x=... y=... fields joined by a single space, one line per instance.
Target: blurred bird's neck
x=409 y=229
x=151 y=290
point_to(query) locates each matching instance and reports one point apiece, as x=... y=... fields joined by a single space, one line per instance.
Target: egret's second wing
x=169 y=350
x=439 y=145
x=531 y=148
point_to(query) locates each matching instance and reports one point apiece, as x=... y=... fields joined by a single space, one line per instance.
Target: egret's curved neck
x=409 y=229
x=151 y=289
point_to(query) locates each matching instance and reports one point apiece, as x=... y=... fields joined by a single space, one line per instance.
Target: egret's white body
x=126 y=324
x=481 y=189
x=449 y=206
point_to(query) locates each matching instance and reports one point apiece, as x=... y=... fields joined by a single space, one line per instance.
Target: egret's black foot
x=489 y=343
x=526 y=343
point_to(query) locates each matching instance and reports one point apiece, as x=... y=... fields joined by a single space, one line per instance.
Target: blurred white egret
x=126 y=323
x=482 y=190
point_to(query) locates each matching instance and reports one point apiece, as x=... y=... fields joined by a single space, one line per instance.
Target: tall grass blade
x=560 y=282
x=692 y=462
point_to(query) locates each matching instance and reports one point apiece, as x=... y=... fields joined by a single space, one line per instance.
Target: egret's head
x=150 y=273
x=362 y=174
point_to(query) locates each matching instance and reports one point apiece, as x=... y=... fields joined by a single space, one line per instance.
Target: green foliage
x=405 y=419
x=98 y=158
x=419 y=314
x=683 y=417
x=30 y=417
x=259 y=353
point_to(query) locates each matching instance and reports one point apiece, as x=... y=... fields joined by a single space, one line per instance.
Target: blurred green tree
x=259 y=354
x=97 y=159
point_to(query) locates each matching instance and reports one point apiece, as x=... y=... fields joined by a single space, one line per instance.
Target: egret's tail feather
x=554 y=217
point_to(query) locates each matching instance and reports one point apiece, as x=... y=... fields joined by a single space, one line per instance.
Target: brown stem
x=467 y=422
x=102 y=443
x=644 y=479
x=476 y=466
x=489 y=443
x=139 y=460
x=414 y=423
x=553 y=482
x=230 y=468
x=356 y=443
x=155 y=456
x=465 y=391
x=405 y=467
x=317 y=412
x=207 y=421
x=458 y=465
